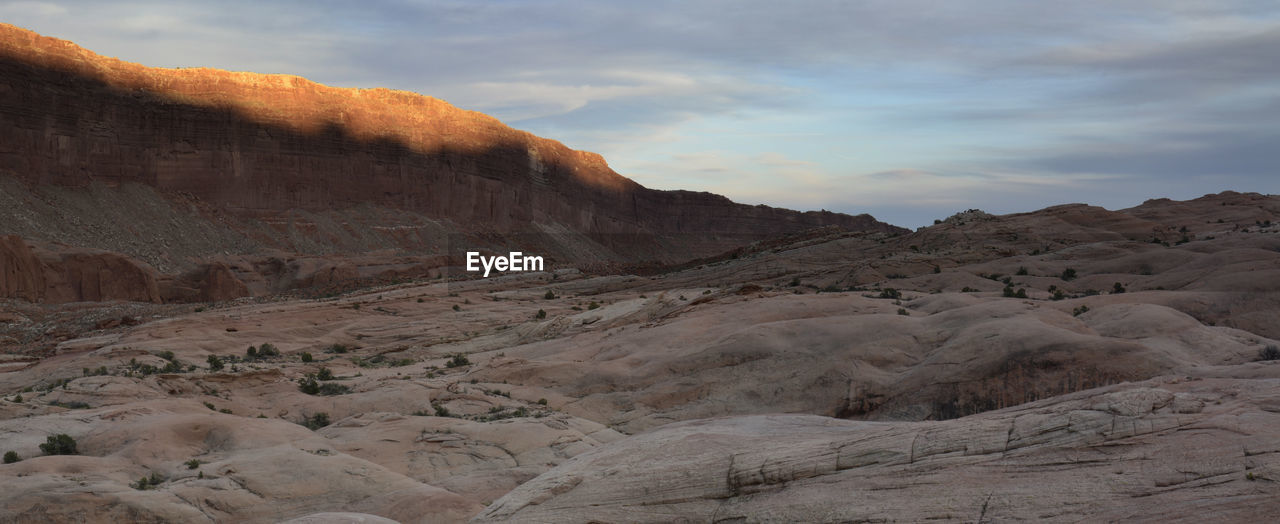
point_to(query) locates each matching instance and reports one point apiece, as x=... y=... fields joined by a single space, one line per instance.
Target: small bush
x=309 y=386
x=593 y=305
x=541 y=315
x=338 y=348
x=60 y=444
x=1117 y=289
x=1021 y=271
x=324 y=374
x=314 y=422
x=903 y=312
x=542 y=401
x=152 y=481
x=441 y=411
x=215 y=363
x=458 y=360
x=1079 y=311
x=457 y=308
x=1269 y=353
x=306 y=357
x=549 y=295
x=891 y=293
x=192 y=464
x=1068 y=274
x=11 y=456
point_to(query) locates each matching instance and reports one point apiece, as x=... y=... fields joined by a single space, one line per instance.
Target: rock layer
x=265 y=148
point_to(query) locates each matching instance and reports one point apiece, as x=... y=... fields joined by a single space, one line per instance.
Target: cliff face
x=258 y=145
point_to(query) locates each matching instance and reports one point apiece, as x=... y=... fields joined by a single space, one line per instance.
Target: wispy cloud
x=907 y=108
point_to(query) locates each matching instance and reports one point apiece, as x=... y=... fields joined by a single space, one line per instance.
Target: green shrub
x=903 y=312
x=541 y=315
x=10 y=457
x=192 y=464
x=458 y=360
x=215 y=363
x=309 y=385
x=441 y=411
x=324 y=374
x=338 y=348
x=1079 y=311
x=1117 y=289
x=314 y=422
x=306 y=357
x=549 y=295
x=457 y=308
x=1022 y=270
x=1269 y=353
x=593 y=305
x=60 y=444
x=145 y=483
x=1068 y=274
x=890 y=293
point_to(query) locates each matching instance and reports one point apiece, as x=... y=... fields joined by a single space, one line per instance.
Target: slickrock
x=1165 y=450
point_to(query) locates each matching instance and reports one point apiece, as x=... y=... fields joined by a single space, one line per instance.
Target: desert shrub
x=903 y=311
x=210 y=406
x=338 y=348
x=593 y=305
x=306 y=357
x=1008 y=291
x=457 y=360
x=542 y=401
x=1068 y=274
x=149 y=482
x=309 y=385
x=541 y=315
x=11 y=456
x=937 y=269
x=794 y=282
x=314 y=422
x=167 y=355
x=441 y=411
x=1058 y=294
x=74 y=404
x=1117 y=289
x=215 y=363
x=192 y=464
x=1079 y=311
x=890 y=293
x=420 y=300
x=324 y=374
x=457 y=307
x=549 y=295
x=1022 y=270
x=60 y=444
x=251 y=353
x=1269 y=353
x=968 y=289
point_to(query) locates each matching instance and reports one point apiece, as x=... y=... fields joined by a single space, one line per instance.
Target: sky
x=909 y=110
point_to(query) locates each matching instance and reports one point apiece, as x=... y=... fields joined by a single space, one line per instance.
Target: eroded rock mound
x=1164 y=450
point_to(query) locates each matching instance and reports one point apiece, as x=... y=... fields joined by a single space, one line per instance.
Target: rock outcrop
x=1161 y=451
x=275 y=157
x=61 y=274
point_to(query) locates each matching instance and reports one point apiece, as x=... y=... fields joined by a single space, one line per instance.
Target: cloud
x=31 y=9
x=910 y=107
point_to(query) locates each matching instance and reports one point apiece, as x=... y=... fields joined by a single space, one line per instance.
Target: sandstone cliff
x=276 y=159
